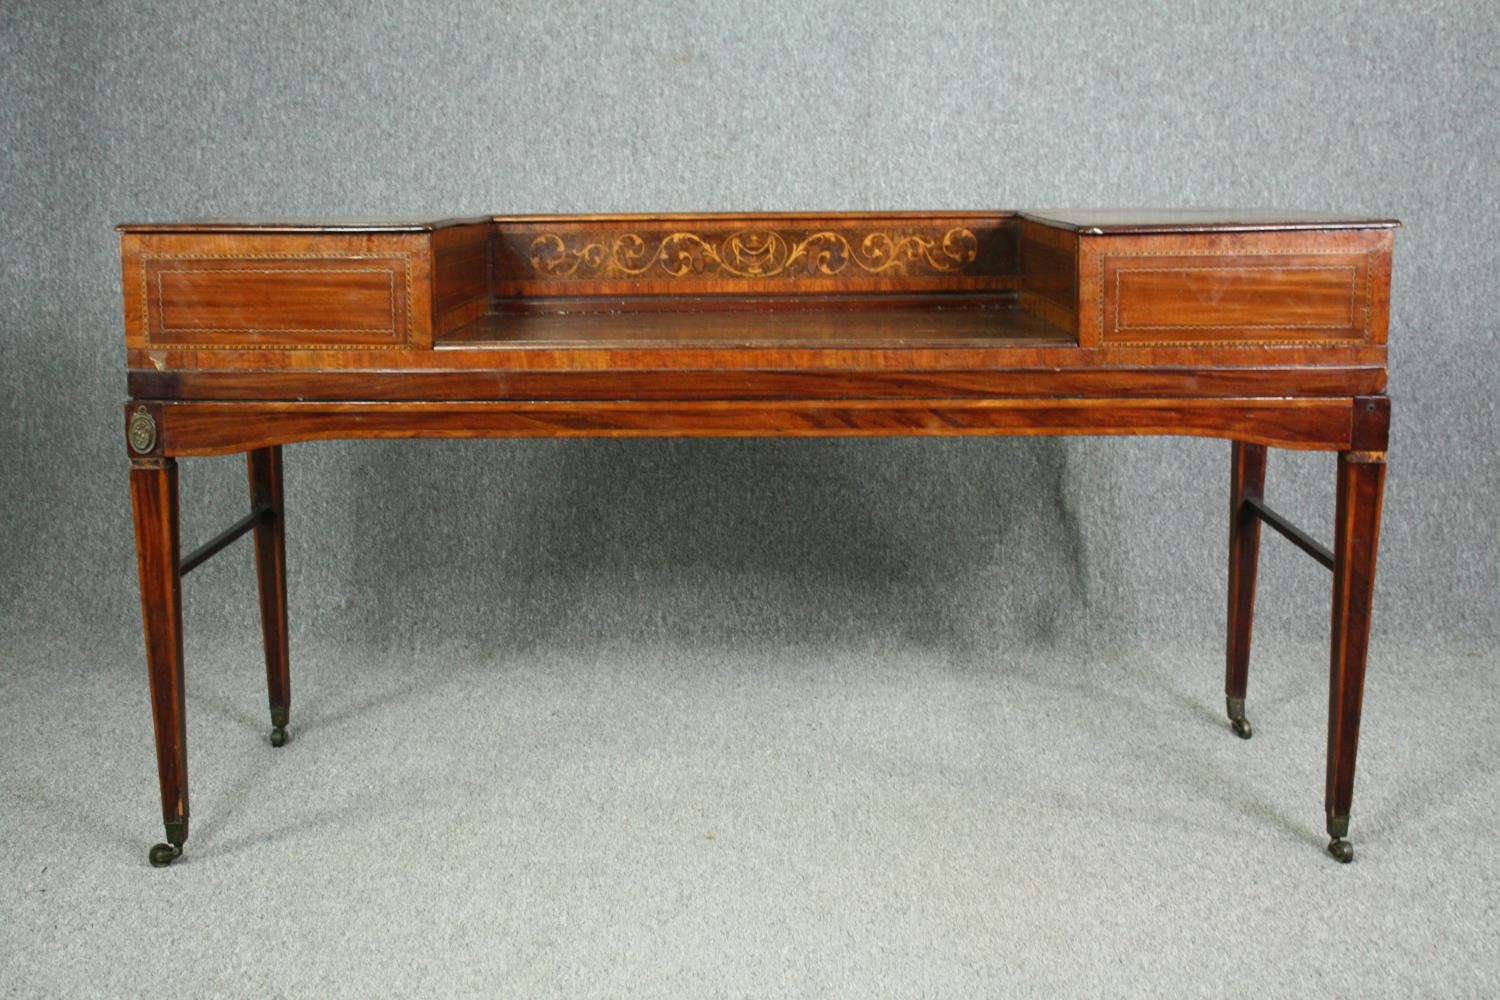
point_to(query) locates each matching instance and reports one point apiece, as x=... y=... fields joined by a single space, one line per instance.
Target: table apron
x=222 y=427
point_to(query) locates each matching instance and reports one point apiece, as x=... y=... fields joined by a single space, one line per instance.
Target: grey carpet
x=652 y=817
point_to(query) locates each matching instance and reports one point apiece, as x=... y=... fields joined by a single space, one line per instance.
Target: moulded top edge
x=640 y=217
x=320 y=225
x=418 y=225
x=1089 y=221
x=1095 y=221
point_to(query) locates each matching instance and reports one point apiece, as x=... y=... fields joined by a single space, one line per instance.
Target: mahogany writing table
x=1264 y=329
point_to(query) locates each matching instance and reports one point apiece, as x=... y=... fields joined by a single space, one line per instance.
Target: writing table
x=1265 y=329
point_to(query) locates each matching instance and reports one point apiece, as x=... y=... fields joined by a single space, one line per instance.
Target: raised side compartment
x=1212 y=282
x=208 y=290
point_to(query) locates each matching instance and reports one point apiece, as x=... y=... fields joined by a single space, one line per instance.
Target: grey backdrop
x=963 y=551
x=120 y=111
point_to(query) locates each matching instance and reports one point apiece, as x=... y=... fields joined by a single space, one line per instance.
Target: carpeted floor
x=644 y=819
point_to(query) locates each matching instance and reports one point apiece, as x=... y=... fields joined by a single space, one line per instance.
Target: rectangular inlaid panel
x=1310 y=298
x=283 y=301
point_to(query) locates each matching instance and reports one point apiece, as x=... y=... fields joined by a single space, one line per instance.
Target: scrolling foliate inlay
x=754 y=253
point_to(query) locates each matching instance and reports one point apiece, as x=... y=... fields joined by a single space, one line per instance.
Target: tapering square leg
x=1361 y=490
x=153 y=494
x=1247 y=480
x=264 y=465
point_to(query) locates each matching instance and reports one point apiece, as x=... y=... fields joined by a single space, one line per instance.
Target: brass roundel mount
x=141 y=432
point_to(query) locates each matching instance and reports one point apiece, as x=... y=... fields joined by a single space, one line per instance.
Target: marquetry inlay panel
x=752 y=255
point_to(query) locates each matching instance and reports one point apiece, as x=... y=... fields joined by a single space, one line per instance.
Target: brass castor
x=1235 y=707
x=164 y=854
x=279 y=736
x=1342 y=850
